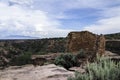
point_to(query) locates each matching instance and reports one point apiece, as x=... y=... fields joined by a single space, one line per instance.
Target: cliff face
x=85 y=40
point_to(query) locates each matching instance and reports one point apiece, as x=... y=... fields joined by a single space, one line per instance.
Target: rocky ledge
x=29 y=72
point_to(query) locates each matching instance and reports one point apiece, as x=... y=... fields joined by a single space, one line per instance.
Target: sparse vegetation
x=113 y=36
x=102 y=69
x=15 y=50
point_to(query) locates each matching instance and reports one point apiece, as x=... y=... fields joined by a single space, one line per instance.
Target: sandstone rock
x=88 y=41
x=29 y=72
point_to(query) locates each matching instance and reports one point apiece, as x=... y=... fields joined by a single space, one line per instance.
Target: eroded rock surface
x=29 y=72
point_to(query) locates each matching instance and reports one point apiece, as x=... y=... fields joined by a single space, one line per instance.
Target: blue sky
x=56 y=18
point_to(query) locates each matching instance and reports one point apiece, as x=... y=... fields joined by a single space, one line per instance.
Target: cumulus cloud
x=40 y=18
x=109 y=12
x=16 y=20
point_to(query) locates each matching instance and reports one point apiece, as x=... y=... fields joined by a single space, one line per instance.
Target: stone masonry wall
x=85 y=40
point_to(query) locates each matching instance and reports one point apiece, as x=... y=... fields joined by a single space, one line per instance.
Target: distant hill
x=113 y=36
x=18 y=37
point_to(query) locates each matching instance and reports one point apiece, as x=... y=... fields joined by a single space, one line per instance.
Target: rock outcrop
x=29 y=72
x=88 y=41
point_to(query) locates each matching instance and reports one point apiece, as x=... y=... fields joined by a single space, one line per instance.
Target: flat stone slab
x=29 y=72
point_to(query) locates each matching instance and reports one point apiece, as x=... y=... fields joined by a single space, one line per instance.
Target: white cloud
x=39 y=18
x=18 y=20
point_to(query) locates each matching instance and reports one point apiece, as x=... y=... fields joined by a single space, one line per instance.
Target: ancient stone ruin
x=87 y=41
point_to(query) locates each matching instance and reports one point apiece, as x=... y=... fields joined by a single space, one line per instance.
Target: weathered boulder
x=88 y=41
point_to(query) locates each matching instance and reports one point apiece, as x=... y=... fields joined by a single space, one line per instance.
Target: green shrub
x=103 y=69
x=22 y=59
x=66 y=60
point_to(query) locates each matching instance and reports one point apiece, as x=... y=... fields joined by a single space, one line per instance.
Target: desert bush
x=103 y=69
x=66 y=60
x=22 y=59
